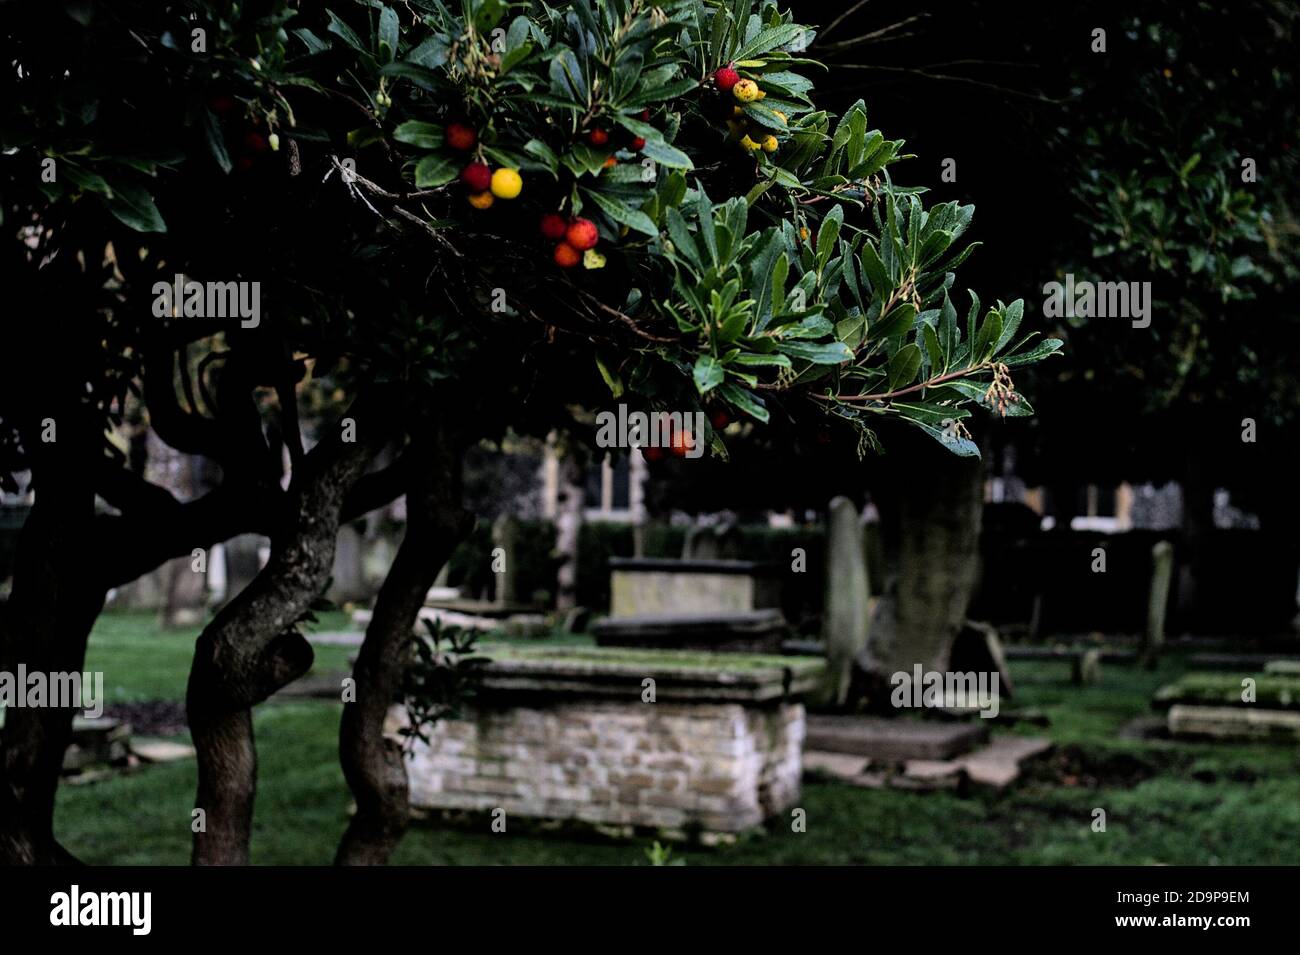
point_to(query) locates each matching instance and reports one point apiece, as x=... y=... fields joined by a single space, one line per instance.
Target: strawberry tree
x=463 y=218
x=671 y=192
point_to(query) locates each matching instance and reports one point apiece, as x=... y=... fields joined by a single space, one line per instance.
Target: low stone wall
x=717 y=753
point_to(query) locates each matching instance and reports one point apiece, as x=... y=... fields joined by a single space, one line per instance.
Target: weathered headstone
x=243 y=561
x=1162 y=568
x=977 y=649
x=848 y=594
x=505 y=535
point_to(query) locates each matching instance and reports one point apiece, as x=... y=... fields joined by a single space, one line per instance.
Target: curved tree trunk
x=251 y=649
x=54 y=603
x=373 y=764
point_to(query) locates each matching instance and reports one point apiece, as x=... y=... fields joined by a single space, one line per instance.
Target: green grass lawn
x=1165 y=802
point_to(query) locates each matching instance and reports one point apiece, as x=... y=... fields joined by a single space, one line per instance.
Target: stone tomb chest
x=569 y=734
x=641 y=587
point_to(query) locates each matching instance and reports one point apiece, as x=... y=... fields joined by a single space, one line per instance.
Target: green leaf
x=623 y=214
x=1011 y=317
x=830 y=353
x=1037 y=353
x=875 y=272
x=745 y=401
x=669 y=156
x=134 y=207
x=216 y=142
x=708 y=373
x=962 y=447
x=898 y=322
x=420 y=134
x=612 y=378
x=345 y=33
x=389 y=31
x=986 y=338
x=931 y=339
x=903 y=367
x=433 y=171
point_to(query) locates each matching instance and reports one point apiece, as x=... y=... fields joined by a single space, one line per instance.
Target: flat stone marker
x=1249 y=662
x=336 y=638
x=161 y=750
x=888 y=740
x=835 y=764
x=1234 y=723
x=997 y=765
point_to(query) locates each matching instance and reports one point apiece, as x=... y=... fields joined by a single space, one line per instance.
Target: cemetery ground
x=1165 y=802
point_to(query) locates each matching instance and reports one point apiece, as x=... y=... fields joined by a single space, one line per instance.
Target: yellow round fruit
x=481 y=200
x=748 y=144
x=506 y=183
x=591 y=259
x=780 y=115
x=770 y=144
x=746 y=91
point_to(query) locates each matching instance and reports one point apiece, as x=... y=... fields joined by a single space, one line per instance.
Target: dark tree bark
x=373 y=764
x=252 y=647
x=46 y=625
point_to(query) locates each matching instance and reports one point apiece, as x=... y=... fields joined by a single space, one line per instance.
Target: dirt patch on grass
x=1090 y=767
x=151 y=718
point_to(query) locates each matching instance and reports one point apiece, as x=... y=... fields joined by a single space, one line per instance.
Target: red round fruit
x=461 y=137
x=255 y=141
x=638 y=144
x=566 y=256
x=720 y=420
x=682 y=442
x=554 y=226
x=598 y=137
x=652 y=454
x=243 y=163
x=477 y=177
x=221 y=104
x=726 y=78
x=582 y=234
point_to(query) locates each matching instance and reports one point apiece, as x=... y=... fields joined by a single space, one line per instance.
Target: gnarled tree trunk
x=372 y=764
x=252 y=648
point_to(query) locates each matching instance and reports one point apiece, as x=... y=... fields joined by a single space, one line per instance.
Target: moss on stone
x=1223 y=689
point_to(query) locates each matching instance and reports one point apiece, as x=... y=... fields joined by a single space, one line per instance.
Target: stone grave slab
x=751 y=631
x=1234 y=723
x=892 y=740
x=1272 y=691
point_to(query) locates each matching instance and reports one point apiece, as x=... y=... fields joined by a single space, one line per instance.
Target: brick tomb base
x=564 y=735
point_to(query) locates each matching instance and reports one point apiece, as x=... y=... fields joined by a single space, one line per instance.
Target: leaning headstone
x=1085 y=668
x=96 y=741
x=848 y=594
x=1162 y=568
x=243 y=561
x=977 y=649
